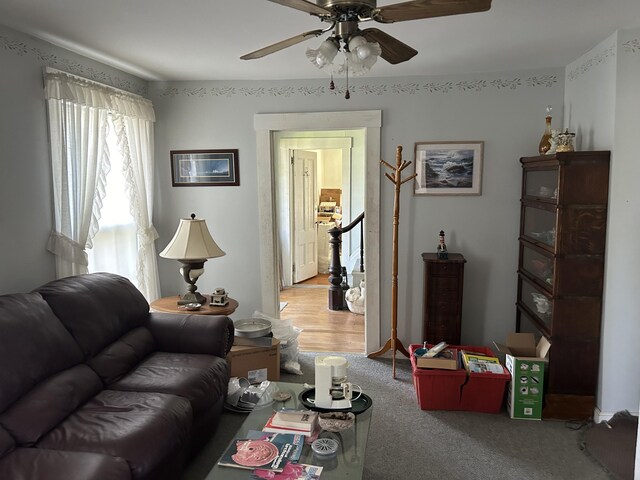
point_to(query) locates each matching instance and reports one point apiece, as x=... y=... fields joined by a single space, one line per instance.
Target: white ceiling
x=203 y=39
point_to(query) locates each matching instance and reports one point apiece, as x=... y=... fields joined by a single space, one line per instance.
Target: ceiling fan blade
x=281 y=45
x=304 y=5
x=393 y=50
x=416 y=9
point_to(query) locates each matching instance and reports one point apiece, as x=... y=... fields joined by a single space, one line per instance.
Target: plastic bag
x=284 y=331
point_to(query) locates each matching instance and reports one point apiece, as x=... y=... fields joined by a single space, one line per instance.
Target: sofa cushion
x=49 y=402
x=96 y=308
x=141 y=427
x=33 y=345
x=41 y=464
x=202 y=379
x=6 y=442
x=122 y=355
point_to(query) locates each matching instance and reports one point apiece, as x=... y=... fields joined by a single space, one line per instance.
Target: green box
x=526 y=363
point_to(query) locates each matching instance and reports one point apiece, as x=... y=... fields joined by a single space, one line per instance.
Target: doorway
x=285 y=144
x=267 y=126
x=305 y=300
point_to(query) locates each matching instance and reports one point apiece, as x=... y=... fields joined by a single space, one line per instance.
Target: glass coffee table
x=347 y=463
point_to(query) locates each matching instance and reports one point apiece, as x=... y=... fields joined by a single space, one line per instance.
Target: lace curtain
x=78 y=111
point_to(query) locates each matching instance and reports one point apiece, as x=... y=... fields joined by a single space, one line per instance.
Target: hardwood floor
x=324 y=330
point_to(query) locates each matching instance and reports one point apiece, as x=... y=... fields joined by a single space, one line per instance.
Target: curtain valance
x=63 y=86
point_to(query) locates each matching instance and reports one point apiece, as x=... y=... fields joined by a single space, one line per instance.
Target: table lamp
x=192 y=245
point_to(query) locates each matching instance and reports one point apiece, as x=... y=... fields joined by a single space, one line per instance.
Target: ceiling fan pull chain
x=347 y=95
x=332 y=86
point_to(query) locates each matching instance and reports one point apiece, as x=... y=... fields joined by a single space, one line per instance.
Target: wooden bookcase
x=561 y=269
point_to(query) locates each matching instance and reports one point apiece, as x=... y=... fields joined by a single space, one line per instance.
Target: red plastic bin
x=458 y=389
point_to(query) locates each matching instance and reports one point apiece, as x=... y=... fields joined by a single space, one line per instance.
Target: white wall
x=603 y=105
x=589 y=97
x=622 y=302
x=330 y=163
x=506 y=110
x=25 y=182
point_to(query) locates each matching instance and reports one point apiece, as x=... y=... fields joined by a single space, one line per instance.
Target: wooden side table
x=170 y=305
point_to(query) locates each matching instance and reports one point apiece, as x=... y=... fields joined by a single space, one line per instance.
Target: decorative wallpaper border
x=408 y=88
x=588 y=64
x=53 y=58
x=632 y=46
x=48 y=58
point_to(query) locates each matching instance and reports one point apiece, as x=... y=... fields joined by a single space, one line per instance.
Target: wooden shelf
x=561 y=264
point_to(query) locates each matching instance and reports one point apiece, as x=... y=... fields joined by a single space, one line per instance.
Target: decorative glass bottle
x=545 y=143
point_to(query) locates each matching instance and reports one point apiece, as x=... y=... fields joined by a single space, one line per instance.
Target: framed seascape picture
x=192 y=168
x=448 y=168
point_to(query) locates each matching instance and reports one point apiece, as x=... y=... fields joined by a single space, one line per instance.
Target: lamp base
x=192 y=297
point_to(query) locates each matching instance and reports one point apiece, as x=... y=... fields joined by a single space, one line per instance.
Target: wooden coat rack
x=393 y=343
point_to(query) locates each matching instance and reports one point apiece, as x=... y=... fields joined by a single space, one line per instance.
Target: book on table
x=293 y=421
x=479 y=363
x=267 y=451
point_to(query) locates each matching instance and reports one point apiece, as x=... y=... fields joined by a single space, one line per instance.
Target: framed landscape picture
x=448 y=168
x=207 y=168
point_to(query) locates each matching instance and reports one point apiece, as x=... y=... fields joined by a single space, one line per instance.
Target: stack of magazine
x=270 y=455
x=480 y=363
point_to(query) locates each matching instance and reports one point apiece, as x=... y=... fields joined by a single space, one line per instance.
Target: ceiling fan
x=345 y=16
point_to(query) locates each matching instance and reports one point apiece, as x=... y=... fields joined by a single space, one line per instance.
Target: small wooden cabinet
x=442 y=302
x=561 y=269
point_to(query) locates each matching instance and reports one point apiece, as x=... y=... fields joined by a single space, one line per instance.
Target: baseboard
x=600 y=416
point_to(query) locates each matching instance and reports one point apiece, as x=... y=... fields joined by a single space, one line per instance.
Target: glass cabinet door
x=528 y=326
x=537 y=302
x=542 y=184
x=539 y=225
x=537 y=265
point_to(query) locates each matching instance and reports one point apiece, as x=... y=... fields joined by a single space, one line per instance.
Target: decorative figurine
x=441 y=251
x=565 y=141
x=553 y=141
x=219 y=298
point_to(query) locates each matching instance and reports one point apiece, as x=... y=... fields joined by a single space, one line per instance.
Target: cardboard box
x=446 y=360
x=255 y=363
x=458 y=389
x=331 y=195
x=526 y=362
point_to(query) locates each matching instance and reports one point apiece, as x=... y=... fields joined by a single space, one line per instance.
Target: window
x=115 y=245
x=101 y=141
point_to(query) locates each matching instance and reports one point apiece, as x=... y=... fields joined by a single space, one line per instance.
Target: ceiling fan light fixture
x=359 y=46
x=325 y=53
x=362 y=55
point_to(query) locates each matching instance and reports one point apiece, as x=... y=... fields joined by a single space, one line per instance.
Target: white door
x=305 y=238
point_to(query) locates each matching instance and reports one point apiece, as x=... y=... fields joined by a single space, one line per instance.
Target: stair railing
x=336 y=294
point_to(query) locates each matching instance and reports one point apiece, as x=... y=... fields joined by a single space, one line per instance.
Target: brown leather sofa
x=94 y=387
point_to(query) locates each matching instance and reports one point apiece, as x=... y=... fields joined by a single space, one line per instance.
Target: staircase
x=336 y=293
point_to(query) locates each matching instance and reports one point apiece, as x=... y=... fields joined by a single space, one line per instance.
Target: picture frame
x=448 y=168
x=205 y=168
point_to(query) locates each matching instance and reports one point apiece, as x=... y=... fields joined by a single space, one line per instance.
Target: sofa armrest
x=180 y=333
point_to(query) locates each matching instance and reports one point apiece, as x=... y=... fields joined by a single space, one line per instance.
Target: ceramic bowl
x=192 y=307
